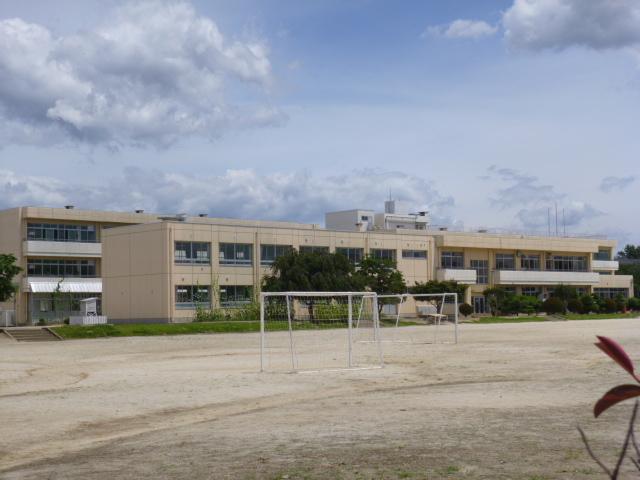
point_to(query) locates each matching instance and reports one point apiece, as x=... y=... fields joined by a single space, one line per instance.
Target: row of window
x=54 y=232
x=242 y=253
x=507 y=261
x=194 y=296
x=61 y=268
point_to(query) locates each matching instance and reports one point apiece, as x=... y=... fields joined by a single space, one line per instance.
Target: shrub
x=530 y=305
x=553 y=305
x=42 y=321
x=633 y=303
x=574 y=305
x=66 y=321
x=250 y=311
x=621 y=303
x=210 y=315
x=465 y=309
x=609 y=306
x=588 y=304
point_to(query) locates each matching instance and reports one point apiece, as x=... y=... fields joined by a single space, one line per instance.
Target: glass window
x=414 y=254
x=236 y=254
x=383 y=253
x=603 y=254
x=567 y=263
x=353 y=254
x=61 y=268
x=235 y=295
x=482 y=270
x=505 y=261
x=611 y=292
x=53 y=232
x=193 y=296
x=452 y=260
x=193 y=253
x=530 y=262
x=530 y=291
x=268 y=253
x=313 y=249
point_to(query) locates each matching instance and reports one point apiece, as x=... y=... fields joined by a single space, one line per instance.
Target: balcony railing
x=466 y=276
x=608 y=265
x=544 y=277
x=61 y=249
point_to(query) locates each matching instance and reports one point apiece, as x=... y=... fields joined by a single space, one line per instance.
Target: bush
x=250 y=311
x=42 y=321
x=621 y=303
x=210 y=315
x=588 y=304
x=465 y=309
x=66 y=321
x=633 y=303
x=553 y=305
x=609 y=306
x=574 y=305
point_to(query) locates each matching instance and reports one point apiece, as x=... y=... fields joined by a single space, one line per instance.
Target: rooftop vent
x=482 y=230
x=443 y=229
x=202 y=215
x=140 y=211
x=69 y=207
x=180 y=217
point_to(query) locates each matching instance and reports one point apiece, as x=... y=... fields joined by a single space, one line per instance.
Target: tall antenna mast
x=564 y=224
x=549 y=220
x=556 y=219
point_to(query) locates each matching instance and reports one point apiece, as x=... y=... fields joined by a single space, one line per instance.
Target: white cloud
x=534 y=203
x=610 y=184
x=152 y=73
x=236 y=193
x=559 y=24
x=463 y=29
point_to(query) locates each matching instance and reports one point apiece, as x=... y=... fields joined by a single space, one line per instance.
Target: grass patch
x=569 y=316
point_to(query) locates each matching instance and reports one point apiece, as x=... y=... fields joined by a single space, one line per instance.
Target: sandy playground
x=503 y=403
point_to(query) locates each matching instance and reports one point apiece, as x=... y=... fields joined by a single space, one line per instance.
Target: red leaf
x=617 y=353
x=615 y=395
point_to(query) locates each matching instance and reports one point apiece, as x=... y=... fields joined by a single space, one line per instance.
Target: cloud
x=152 y=73
x=534 y=202
x=610 y=184
x=462 y=29
x=295 y=196
x=560 y=24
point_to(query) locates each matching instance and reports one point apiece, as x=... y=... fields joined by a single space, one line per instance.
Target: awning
x=67 y=286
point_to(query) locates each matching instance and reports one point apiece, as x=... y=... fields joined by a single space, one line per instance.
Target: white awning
x=93 y=286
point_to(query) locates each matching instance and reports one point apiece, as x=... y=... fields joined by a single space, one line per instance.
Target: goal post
x=437 y=310
x=307 y=331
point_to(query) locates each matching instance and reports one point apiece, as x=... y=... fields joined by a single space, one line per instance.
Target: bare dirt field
x=503 y=403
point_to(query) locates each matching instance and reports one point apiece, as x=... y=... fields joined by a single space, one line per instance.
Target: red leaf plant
x=611 y=398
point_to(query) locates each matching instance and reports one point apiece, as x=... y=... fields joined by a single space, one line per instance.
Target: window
x=235 y=295
x=383 y=253
x=364 y=218
x=452 y=260
x=567 y=263
x=505 y=261
x=61 y=268
x=603 y=254
x=353 y=254
x=414 y=254
x=53 y=232
x=268 y=253
x=313 y=249
x=530 y=262
x=193 y=253
x=530 y=291
x=482 y=270
x=193 y=296
x=611 y=292
x=236 y=254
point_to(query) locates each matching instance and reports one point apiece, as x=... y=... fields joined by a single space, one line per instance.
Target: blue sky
x=486 y=113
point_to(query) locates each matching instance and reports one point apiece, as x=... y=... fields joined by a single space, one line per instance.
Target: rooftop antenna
x=556 y=203
x=564 y=225
x=549 y=221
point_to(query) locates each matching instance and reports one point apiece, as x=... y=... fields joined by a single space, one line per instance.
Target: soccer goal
x=437 y=311
x=310 y=331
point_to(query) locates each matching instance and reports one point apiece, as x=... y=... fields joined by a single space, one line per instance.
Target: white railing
x=466 y=276
x=544 y=277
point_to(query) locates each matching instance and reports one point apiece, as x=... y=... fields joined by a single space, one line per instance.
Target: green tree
x=312 y=272
x=382 y=276
x=630 y=252
x=433 y=286
x=497 y=298
x=8 y=270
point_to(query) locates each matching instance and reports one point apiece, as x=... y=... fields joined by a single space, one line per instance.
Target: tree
x=8 y=270
x=382 y=276
x=312 y=272
x=434 y=286
x=630 y=252
x=465 y=309
x=496 y=298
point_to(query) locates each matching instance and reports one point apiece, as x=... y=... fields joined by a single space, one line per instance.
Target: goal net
x=420 y=318
x=307 y=331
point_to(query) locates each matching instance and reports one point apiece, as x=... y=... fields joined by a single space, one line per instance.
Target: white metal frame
x=437 y=317
x=350 y=295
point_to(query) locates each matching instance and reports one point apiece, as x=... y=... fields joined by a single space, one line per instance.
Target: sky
x=487 y=114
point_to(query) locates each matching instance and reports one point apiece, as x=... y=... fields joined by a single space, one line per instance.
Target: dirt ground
x=502 y=403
